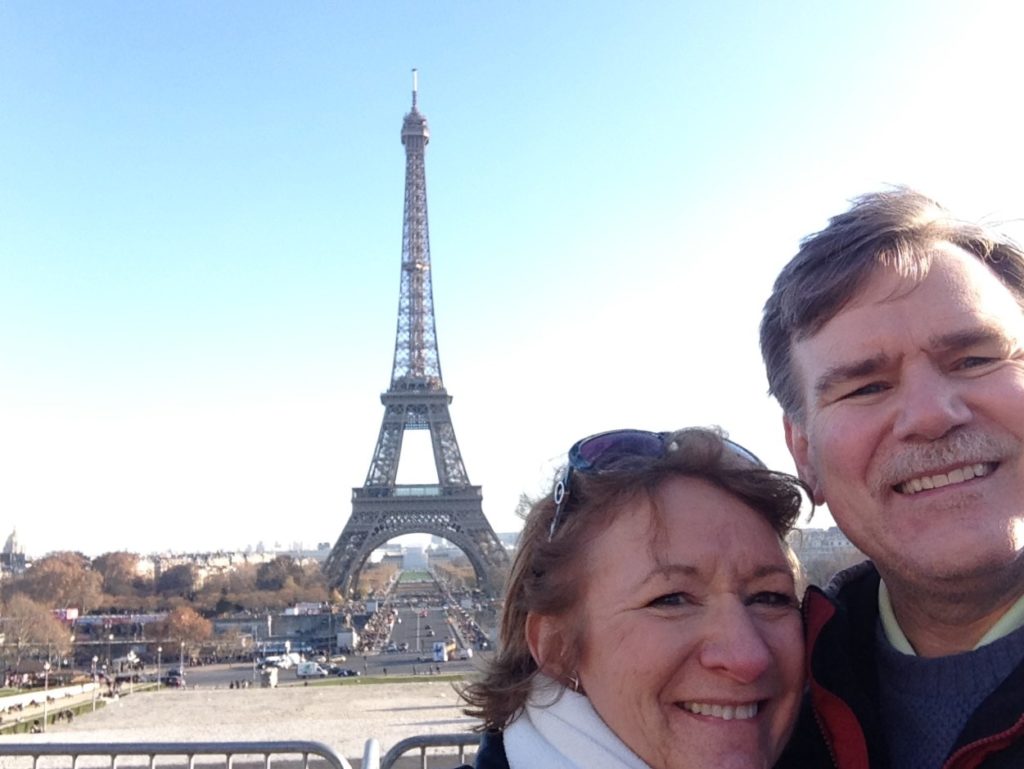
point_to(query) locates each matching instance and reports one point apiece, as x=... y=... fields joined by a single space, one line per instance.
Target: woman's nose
x=930 y=405
x=734 y=644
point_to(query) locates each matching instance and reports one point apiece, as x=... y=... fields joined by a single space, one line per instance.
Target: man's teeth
x=725 y=712
x=959 y=475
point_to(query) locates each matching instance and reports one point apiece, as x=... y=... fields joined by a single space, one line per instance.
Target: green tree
x=278 y=574
x=177 y=581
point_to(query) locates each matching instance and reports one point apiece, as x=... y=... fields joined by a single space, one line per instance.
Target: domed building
x=12 y=558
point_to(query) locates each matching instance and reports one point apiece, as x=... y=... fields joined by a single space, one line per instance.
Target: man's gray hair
x=898 y=229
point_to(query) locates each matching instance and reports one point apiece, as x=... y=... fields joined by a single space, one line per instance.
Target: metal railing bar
x=424 y=741
x=189 y=750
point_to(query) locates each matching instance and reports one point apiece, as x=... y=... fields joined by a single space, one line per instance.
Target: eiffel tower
x=416 y=400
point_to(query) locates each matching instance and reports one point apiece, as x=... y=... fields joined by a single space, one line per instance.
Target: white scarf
x=568 y=734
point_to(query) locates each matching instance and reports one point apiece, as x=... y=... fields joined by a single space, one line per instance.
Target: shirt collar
x=1010 y=621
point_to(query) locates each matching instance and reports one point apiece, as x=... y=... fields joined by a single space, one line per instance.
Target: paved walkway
x=339 y=716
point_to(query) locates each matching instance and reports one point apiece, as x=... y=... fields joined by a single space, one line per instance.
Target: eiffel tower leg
x=384 y=465
x=447 y=457
x=456 y=517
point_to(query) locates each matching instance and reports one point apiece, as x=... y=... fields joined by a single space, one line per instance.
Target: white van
x=310 y=670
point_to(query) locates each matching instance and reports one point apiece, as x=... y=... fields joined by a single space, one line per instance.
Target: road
x=425 y=612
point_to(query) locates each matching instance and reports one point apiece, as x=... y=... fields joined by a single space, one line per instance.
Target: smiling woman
x=651 y=618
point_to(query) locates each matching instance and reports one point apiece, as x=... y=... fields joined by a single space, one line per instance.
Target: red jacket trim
x=838 y=722
x=970 y=756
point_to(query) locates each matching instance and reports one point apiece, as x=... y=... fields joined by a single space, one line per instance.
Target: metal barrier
x=186 y=750
x=424 y=741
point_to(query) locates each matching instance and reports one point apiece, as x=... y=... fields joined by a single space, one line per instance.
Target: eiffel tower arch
x=416 y=400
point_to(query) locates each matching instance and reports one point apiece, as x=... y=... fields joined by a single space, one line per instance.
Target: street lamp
x=159 y=651
x=181 y=658
x=110 y=659
x=46 y=691
x=95 y=683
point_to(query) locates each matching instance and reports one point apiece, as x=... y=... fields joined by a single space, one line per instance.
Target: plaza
x=341 y=717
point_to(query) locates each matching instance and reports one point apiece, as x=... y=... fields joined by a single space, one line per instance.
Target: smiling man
x=894 y=341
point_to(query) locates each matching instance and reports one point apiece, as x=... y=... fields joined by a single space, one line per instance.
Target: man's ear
x=796 y=440
x=545 y=642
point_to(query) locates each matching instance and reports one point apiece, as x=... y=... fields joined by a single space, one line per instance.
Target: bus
x=443 y=650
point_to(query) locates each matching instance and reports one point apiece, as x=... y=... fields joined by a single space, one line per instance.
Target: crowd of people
x=377 y=630
x=467 y=628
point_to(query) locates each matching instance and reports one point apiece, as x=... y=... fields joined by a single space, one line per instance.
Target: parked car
x=281 y=661
x=174 y=679
x=347 y=672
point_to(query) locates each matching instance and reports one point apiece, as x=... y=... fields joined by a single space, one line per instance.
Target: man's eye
x=974 y=362
x=869 y=389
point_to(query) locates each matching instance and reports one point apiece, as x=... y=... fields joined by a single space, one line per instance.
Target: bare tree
x=61 y=580
x=119 y=571
x=31 y=628
x=185 y=624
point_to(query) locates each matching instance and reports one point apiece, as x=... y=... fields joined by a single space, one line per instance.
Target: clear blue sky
x=200 y=232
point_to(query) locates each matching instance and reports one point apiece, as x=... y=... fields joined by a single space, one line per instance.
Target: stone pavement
x=342 y=717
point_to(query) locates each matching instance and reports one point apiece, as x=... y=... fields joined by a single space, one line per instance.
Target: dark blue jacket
x=491 y=754
x=840 y=726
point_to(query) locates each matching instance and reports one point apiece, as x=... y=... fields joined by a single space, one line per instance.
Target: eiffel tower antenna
x=416 y=400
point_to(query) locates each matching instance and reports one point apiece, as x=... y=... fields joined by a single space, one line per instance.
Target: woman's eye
x=773 y=599
x=672 y=599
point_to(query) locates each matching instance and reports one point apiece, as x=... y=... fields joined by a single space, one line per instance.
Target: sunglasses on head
x=619 y=450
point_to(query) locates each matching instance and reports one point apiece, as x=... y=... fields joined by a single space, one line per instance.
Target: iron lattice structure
x=416 y=400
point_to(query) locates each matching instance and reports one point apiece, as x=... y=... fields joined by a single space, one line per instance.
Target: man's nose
x=931 y=404
x=734 y=644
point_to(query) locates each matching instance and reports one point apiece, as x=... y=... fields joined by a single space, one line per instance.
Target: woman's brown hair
x=548 y=575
